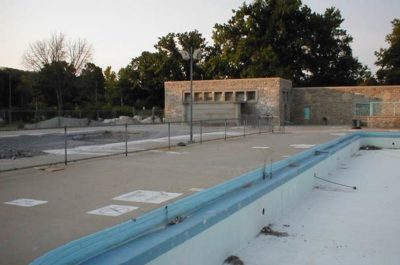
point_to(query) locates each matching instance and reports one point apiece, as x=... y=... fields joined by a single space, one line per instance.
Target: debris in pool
x=370 y=147
x=233 y=260
x=267 y=230
x=176 y=220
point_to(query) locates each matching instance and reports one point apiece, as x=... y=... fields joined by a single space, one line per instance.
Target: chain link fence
x=44 y=147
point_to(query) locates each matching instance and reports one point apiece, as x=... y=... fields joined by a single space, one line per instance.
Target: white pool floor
x=336 y=225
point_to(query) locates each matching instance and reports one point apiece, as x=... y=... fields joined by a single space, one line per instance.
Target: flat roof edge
x=231 y=79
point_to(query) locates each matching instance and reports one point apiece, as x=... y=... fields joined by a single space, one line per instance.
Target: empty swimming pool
x=339 y=225
x=211 y=225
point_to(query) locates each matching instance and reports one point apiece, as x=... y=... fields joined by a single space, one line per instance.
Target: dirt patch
x=18 y=153
x=267 y=230
x=103 y=135
x=370 y=147
x=233 y=260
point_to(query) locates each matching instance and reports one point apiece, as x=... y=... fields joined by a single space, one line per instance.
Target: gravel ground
x=18 y=153
x=27 y=144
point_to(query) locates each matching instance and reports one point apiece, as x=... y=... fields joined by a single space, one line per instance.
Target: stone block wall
x=268 y=95
x=335 y=105
x=381 y=122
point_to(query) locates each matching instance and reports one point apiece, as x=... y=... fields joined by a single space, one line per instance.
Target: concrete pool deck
x=338 y=225
x=28 y=232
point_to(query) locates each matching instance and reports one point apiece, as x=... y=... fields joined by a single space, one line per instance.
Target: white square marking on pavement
x=260 y=147
x=147 y=196
x=196 y=189
x=113 y=210
x=25 y=202
x=302 y=146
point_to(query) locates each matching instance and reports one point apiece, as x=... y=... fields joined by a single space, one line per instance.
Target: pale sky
x=122 y=29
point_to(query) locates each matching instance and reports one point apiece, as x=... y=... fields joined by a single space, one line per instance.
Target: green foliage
x=21 y=91
x=141 y=83
x=122 y=111
x=389 y=59
x=90 y=84
x=112 y=95
x=283 y=38
x=55 y=84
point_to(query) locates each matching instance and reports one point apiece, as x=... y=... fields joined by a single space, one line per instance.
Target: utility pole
x=95 y=97
x=9 y=97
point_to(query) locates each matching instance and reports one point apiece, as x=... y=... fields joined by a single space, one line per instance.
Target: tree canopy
x=389 y=59
x=286 y=39
x=58 y=48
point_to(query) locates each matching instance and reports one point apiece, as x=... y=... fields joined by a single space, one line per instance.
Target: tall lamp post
x=9 y=91
x=9 y=97
x=193 y=54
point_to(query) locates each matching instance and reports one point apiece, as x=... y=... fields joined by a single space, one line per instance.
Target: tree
x=286 y=39
x=389 y=59
x=110 y=86
x=91 y=85
x=56 y=84
x=141 y=83
x=174 y=67
x=59 y=60
x=328 y=58
x=57 y=49
x=21 y=89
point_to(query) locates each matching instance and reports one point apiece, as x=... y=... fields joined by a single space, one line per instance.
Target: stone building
x=375 y=106
x=228 y=99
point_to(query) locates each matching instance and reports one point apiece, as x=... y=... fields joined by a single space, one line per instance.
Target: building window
x=217 y=96
x=208 y=96
x=251 y=95
x=186 y=97
x=198 y=96
x=240 y=97
x=228 y=96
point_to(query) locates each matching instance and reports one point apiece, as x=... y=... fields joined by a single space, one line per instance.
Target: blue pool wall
x=224 y=238
x=217 y=221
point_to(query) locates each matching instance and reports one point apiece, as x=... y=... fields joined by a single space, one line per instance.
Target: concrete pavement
x=28 y=232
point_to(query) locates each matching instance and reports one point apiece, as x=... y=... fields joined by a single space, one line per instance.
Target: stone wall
x=268 y=95
x=381 y=121
x=335 y=105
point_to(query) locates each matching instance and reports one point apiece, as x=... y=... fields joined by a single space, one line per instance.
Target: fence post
x=126 y=139
x=259 y=126
x=65 y=146
x=169 y=136
x=225 y=130
x=244 y=126
x=201 y=132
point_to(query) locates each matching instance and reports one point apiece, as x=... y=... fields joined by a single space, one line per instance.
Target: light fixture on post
x=191 y=55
